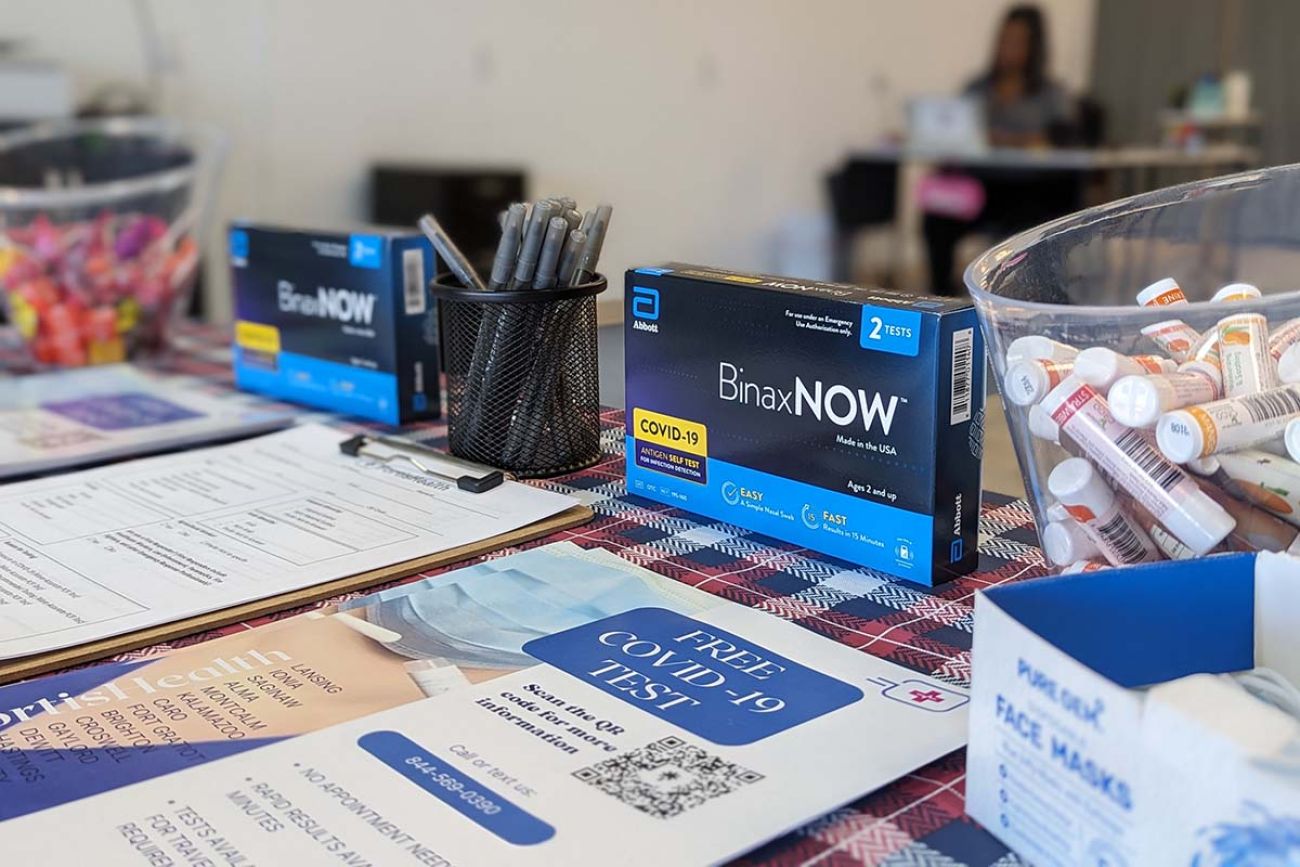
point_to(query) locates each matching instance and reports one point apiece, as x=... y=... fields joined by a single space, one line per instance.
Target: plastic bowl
x=100 y=222
x=1075 y=280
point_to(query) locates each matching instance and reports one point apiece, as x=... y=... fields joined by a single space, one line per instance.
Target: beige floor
x=1001 y=472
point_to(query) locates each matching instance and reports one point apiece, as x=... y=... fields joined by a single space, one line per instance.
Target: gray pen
x=587 y=219
x=586 y=267
x=504 y=261
x=569 y=259
x=549 y=261
x=450 y=254
x=573 y=218
x=531 y=248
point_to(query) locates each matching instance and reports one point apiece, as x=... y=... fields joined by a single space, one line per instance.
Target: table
x=918 y=820
x=1124 y=171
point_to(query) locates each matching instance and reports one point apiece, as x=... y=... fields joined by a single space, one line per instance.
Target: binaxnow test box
x=1102 y=729
x=336 y=320
x=842 y=419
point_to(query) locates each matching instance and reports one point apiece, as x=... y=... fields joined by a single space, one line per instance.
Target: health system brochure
x=579 y=710
x=54 y=421
x=115 y=549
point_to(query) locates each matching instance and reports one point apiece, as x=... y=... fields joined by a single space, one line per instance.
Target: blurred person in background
x=1023 y=107
x=1021 y=103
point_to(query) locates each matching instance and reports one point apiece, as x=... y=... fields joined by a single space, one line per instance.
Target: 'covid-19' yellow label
x=257 y=337
x=674 y=433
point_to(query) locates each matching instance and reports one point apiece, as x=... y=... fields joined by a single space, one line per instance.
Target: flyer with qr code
x=555 y=706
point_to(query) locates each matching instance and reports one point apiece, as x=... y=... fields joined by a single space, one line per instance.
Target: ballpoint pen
x=450 y=253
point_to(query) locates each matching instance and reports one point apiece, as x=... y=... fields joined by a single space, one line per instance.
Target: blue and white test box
x=838 y=418
x=1102 y=729
x=339 y=321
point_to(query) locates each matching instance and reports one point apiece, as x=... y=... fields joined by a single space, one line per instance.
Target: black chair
x=863 y=194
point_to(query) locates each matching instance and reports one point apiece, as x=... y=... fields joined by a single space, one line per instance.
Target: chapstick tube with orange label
x=1139 y=401
x=1065 y=540
x=1283 y=337
x=1175 y=337
x=1037 y=346
x=1227 y=425
x=1092 y=503
x=1266 y=480
x=1288 y=366
x=1162 y=293
x=1030 y=380
x=1099 y=366
x=1084 y=566
x=1126 y=455
x=1236 y=292
x=1247 y=366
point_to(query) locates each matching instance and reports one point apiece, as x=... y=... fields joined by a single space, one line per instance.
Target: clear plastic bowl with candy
x=100 y=222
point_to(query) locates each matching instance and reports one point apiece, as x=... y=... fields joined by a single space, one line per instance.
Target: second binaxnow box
x=842 y=419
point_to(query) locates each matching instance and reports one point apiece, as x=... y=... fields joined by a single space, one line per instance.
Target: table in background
x=917 y=820
x=894 y=170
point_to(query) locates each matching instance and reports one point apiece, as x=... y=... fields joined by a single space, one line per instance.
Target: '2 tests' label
x=706 y=680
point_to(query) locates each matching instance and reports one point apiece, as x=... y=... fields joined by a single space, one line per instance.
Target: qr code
x=667 y=777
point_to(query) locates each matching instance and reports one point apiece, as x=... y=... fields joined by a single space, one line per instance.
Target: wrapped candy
x=93 y=291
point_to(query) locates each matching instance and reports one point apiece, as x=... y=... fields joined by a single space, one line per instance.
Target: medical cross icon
x=922 y=697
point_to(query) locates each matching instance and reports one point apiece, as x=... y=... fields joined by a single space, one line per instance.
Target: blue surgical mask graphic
x=483 y=618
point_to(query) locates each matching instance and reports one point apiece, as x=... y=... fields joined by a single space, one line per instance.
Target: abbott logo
x=645 y=303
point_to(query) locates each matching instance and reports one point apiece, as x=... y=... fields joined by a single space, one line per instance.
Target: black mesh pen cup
x=523 y=382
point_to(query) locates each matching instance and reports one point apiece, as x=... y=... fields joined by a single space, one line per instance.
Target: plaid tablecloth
x=918 y=820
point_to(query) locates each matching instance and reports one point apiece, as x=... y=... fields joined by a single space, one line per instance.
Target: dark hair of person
x=1036 y=66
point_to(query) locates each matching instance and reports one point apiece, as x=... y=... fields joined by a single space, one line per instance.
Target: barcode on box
x=963 y=347
x=413 y=281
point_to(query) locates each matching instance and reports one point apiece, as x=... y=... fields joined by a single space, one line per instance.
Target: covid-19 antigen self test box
x=339 y=321
x=842 y=419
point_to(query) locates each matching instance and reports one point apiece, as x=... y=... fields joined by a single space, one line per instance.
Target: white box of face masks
x=1102 y=731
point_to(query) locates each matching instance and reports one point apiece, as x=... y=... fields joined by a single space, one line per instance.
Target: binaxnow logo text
x=837 y=403
x=343 y=305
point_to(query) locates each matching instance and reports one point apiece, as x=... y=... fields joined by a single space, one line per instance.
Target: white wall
x=703 y=122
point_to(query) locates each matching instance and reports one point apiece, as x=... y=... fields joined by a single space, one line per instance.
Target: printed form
x=120 y=548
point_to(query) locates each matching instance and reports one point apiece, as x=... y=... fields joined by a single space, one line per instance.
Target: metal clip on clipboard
x=476 y=479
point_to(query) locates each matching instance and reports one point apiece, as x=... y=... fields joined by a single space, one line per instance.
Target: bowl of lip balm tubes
x=99 y=229
x=1148 y=355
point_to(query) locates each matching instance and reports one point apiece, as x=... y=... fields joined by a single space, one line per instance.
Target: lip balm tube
x=1126 y=455
x=1174 y=337
x=1288 y=366
x=1227 y=425
x=1042 y=426
x=1283 y=337
x=1207 y=348
x=1065 y=540
x=1244 y=357
x=1236 y=292
x=1291 y=437
x=1084 y=566
x=1267 y=481
x=1030 y=380
x=1036 y=346
x=1099 y=366
x=1139 y=401
x=1092 y=503
x=1257 y=530
x=1162 y=293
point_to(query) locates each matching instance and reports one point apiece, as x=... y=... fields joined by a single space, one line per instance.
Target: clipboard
x=43 y=663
